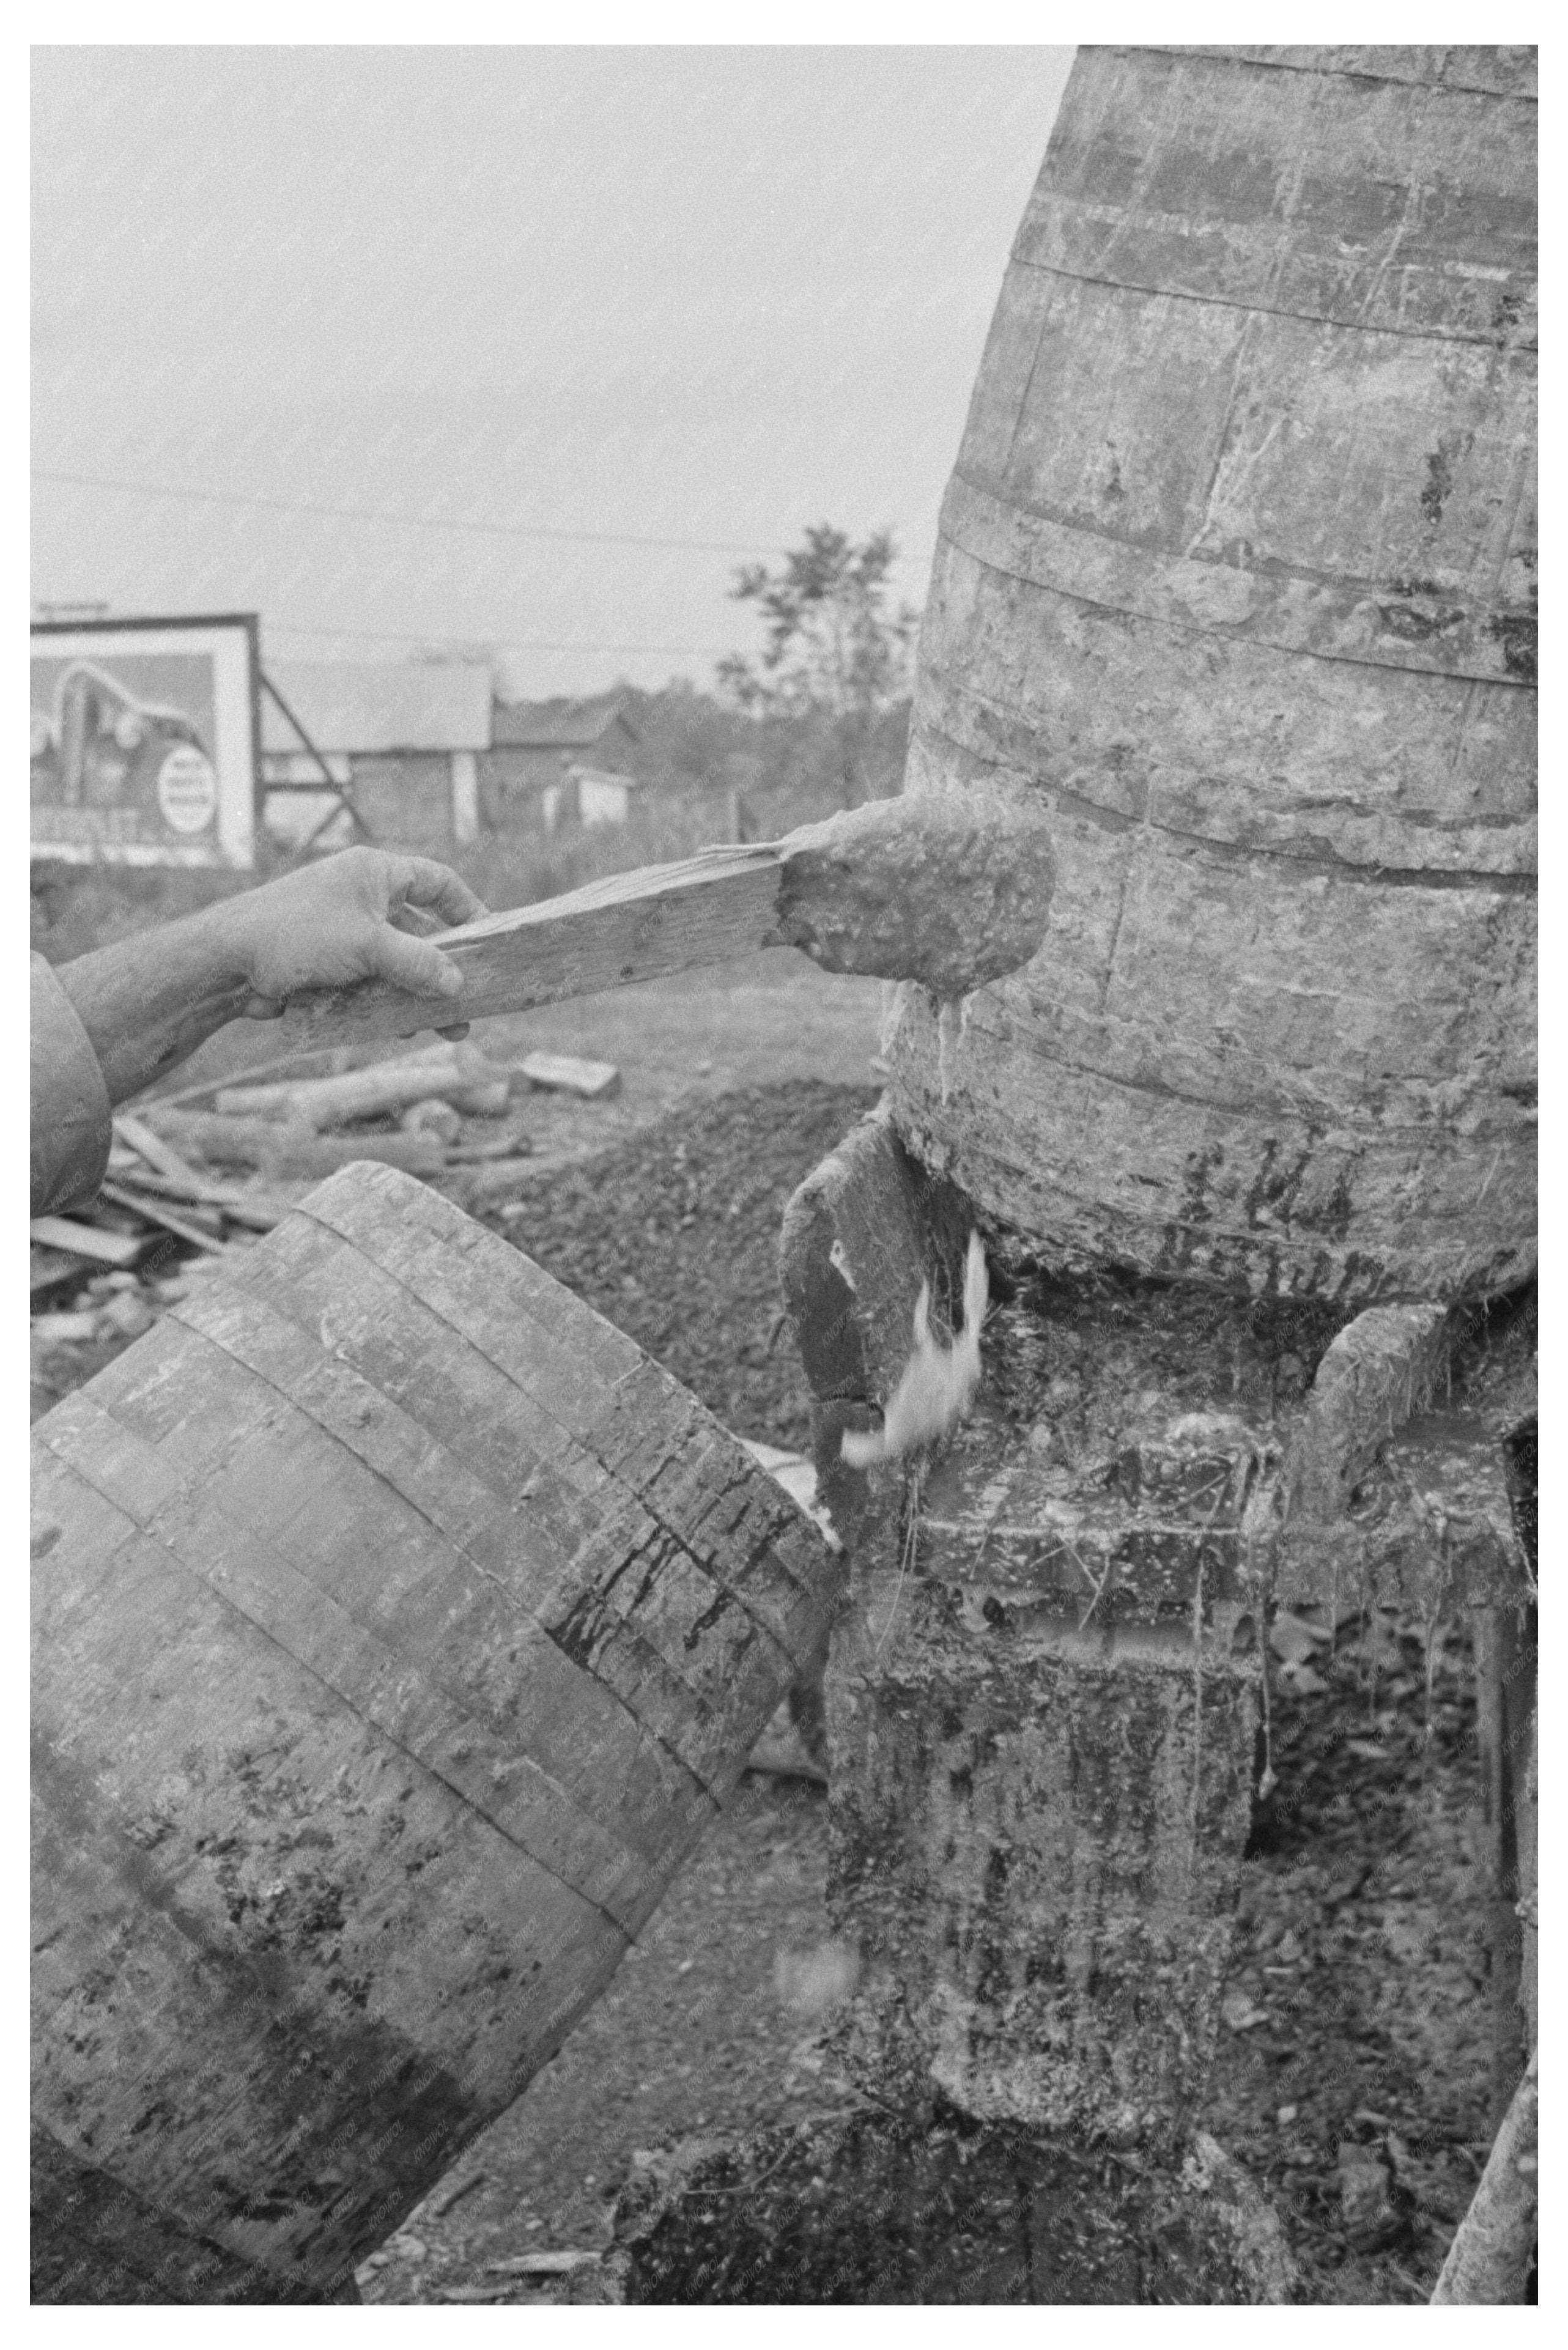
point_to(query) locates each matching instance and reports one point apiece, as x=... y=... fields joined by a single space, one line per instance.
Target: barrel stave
x=1310 y=192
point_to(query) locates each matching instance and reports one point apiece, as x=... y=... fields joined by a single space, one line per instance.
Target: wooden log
x=281 y=1149
x=399 y=1627
x=493 y=1180
x=508 y=1144
x=464 y=1078
x=437 y=1118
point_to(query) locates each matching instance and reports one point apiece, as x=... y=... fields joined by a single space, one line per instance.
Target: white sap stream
x=937 y=1382
x=953 y=1027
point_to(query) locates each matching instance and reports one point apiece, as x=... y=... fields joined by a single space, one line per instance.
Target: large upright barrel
x=399 y=1626
x=1236 y=577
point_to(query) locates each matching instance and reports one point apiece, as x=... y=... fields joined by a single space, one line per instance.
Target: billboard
x=144 y=744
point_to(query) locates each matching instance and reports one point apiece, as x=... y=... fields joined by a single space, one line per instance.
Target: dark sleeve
x=70 y=1115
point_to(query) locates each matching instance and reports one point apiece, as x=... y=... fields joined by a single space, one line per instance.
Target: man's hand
x=148 y=1001
x=348 y=918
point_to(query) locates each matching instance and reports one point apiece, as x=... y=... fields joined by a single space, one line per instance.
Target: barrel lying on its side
x=399 y=1628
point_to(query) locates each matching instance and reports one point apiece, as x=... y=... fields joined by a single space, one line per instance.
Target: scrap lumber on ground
x=157 y=1153
x=462 y=1077
x=185 y=1173
x=564 y=1073
x=49 y=1268
x=285 y=1149
x=251 y=1210
x=151 y=1165
x=87 y=1239
x=202 y=1235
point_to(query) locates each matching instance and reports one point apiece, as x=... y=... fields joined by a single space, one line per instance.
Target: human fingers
x=413 y=963
x=424 y=882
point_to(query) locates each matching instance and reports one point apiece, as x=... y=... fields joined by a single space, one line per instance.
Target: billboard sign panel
x=144 y=740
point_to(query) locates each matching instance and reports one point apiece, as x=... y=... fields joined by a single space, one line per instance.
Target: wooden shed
x=536 y=746
x=405 y=738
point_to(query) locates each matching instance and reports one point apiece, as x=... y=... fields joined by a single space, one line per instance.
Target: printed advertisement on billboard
x=144 y=740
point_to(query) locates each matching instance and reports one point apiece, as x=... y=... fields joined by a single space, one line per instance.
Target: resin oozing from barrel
x=947 y=896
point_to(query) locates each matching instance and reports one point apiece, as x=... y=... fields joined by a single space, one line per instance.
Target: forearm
x=147 y=1001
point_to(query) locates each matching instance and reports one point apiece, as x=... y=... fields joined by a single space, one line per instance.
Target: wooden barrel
x=1236 y=574
x=398 y=1629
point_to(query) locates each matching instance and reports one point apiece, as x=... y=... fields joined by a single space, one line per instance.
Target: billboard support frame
x=344 y=791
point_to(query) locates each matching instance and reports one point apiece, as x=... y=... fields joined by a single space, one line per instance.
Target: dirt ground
x=1353 y=2075
x=1353 y=2078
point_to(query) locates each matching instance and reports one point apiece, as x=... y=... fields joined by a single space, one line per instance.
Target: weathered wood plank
x=160 y=1155
x=119 y=1249
x=564 y=1073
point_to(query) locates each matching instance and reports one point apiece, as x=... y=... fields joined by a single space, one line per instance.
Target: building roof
x=562 y=724
x=390 y=706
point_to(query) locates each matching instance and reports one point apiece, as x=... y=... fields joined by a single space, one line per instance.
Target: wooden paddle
x=949 y=895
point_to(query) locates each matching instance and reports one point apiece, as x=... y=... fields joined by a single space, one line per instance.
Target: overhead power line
x=504 y=644
x=409 y=521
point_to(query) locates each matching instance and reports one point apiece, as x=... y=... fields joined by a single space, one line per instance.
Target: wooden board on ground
x=120 y=1249
x=202 y=1234
x=563 y=1073
x=48 y=1267
x=254 y=1210
x=158 y=1153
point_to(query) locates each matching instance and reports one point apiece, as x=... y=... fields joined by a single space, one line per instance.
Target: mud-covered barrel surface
x=398 y=1626
x=1236 y=580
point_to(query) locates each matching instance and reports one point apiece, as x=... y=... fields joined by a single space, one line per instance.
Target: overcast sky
x=688 y=294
